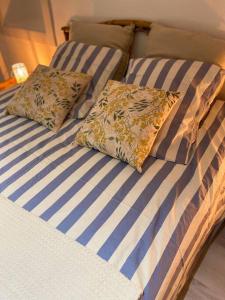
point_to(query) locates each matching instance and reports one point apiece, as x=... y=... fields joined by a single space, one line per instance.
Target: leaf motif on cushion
x=48 y=95
x=125 y=121
x=39 y=100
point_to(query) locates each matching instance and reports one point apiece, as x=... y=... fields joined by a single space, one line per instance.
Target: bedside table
x=7 y=84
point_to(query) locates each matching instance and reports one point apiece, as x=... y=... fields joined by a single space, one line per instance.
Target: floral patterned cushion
x=48 y=95
x=125 y=121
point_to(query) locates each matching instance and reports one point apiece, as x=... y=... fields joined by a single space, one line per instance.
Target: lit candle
x=20 y=72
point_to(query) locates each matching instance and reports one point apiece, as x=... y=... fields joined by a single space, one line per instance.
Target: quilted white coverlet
x=39 y=262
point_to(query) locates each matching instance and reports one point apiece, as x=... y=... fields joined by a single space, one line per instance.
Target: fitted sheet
x=148 y=226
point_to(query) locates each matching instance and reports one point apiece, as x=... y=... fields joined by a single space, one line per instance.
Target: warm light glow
x=20 y=72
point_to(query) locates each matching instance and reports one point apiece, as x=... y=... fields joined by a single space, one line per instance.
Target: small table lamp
x=20 y=72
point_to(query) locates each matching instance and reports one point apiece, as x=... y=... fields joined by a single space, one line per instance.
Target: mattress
x=148 y=226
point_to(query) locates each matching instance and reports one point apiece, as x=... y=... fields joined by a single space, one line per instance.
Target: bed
x=146 y=228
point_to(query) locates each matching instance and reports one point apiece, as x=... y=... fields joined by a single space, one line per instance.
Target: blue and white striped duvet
x=148 y=226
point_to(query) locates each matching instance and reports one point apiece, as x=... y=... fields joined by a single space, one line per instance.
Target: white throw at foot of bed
x=39 y=262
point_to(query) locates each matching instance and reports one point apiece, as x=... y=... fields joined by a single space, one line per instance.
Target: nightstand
x=7 y=84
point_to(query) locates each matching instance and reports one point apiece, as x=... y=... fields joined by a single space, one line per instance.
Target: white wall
x=201 y=15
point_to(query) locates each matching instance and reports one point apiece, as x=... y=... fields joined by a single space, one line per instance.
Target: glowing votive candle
x=20 y=72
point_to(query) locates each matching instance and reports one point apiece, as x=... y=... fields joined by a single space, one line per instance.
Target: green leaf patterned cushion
x=48 y=95
x=125 y=121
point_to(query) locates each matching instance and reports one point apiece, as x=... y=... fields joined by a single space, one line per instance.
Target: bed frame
x=144 y=26
x=199 y=258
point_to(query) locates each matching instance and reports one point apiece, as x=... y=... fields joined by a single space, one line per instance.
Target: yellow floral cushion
x=48 y=95
x=125 y=121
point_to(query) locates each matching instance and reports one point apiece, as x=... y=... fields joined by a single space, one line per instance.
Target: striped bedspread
x=148 y=226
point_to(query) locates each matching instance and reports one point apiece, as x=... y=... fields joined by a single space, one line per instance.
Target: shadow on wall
x=2 y=77
x=25 y=14
x=3 y=69
x=27 y=32
x=22 y=16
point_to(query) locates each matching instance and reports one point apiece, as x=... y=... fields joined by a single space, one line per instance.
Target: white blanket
x=38 y=262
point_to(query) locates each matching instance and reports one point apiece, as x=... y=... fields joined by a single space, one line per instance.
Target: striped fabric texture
x=99 y=62
x=198 y=82
x=148 y=226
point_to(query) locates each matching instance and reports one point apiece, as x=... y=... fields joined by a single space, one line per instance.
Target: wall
x=26 y=34
x=201 y=15
x=32 y=47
